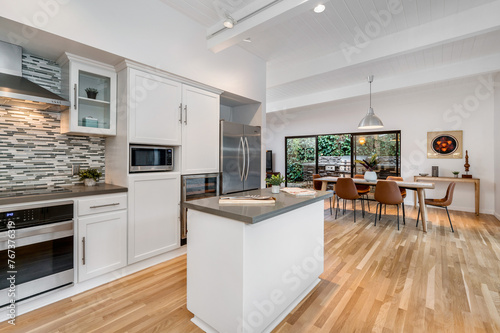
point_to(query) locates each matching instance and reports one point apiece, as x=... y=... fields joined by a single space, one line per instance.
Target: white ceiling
x=308 y=55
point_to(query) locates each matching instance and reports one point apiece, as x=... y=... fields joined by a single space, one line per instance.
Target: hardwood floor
x=375 y=279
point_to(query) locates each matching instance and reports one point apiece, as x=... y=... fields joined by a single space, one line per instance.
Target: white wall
x=497 y=146
x=148 y=32
x=465 y=104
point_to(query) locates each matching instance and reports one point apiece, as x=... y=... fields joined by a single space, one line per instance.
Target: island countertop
x=254 y=213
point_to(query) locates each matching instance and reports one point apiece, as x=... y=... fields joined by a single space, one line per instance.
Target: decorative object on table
x=423 y=174
x=275 y=181
x=455 y=173
x=370 y=121
x=435 y=171
x=446 y=144
x=90 y=122
x=91 y=93
x=90 y=176
x=467 y=165
x=370 y=165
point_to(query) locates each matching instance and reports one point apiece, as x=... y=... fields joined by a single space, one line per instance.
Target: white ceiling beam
x=473 y=67
x=466 y=24
x=275 y=14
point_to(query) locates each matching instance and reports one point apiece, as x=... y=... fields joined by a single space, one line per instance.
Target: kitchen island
x=249 y=266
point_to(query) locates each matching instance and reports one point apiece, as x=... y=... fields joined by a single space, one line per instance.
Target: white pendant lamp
x=370 y=121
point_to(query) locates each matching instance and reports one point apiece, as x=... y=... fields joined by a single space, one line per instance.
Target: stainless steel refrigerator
x=240 y=157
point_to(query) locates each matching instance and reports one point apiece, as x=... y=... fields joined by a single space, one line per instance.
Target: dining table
x=419 y=187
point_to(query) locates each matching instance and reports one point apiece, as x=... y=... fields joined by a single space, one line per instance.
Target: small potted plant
x=91 y=92
x=89 y=176
x=455 y=173
x=275 y=181
x=370 y=166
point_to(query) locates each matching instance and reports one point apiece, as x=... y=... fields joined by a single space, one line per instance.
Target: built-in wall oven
x=36 y=250
x=196 y=187
x=151 y=158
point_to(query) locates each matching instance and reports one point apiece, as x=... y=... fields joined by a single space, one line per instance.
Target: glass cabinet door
x=94 y=100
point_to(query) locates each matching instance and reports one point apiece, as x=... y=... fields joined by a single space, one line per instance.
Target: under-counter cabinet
x=90 y=86
x=102 y=235
x=154 y=215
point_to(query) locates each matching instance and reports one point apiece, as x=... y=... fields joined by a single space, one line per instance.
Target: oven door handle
x=38 y=234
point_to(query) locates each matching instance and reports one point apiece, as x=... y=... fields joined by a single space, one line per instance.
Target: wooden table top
x=404 y=184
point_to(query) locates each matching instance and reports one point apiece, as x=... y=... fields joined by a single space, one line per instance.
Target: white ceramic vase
x=89 y=182
x=275 y=189
x=371 y=176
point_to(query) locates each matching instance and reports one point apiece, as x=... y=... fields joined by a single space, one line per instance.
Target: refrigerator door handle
x=248 y=157
x=241 y=169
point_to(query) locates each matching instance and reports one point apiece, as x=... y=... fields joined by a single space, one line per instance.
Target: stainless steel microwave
x=151 y=158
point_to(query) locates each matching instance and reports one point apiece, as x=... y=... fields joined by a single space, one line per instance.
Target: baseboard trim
x=497 y=215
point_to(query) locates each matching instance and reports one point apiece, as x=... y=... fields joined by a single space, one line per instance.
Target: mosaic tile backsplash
x=32 y=150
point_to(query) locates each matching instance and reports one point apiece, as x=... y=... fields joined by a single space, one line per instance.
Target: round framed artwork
x=444 y=144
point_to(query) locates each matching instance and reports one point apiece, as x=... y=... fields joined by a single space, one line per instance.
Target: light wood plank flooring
x=376 y=279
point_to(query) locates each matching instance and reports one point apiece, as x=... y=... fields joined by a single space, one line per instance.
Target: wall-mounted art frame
x=445 y=144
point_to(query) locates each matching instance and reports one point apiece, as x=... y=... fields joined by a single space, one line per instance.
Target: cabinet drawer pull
x=76 y=96
x=108 y=205
x=180 y=113
x=186 y=112
x=83 y=251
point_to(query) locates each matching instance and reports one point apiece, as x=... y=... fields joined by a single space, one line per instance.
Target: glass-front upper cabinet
x=91 y=88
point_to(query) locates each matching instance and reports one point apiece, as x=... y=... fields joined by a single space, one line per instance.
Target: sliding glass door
x=383 y=148
x=300 y=161
x=336 y=154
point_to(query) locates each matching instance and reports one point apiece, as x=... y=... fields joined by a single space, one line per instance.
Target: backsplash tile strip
x=33 y=152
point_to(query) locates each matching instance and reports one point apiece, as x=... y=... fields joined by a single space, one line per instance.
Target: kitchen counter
x=247 y=277
x=252 y=214
x=72 y=191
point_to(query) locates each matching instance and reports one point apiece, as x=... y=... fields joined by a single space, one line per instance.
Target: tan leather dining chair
x=443 y=203
x=363 y=191
x=317 y=186
x=402 y=190
x=346 y=189
x=387 y=193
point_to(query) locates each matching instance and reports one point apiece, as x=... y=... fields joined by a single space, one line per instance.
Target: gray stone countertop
x=78 y=190
x=252 y=214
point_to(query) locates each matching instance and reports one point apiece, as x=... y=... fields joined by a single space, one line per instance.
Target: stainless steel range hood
x=20 y=92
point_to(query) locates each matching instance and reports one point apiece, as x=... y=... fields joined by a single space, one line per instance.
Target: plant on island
x=275 y=180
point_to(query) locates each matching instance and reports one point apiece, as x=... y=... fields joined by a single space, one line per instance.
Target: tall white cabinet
x=200 y=131
x=156 y=108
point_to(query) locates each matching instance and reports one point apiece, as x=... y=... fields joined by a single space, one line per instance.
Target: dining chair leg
x=451 y=225
x=385 y=209
x=363 y=206
x=344 y=202
x=368 y=201
x=354 y=208
x=338 y=207
x=331 y=212
x=398 y=214
x=380 y=213
x=403 y=206
x=376 y=211
x=418 y=216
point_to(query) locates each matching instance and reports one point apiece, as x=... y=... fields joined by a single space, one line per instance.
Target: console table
x=452 y=179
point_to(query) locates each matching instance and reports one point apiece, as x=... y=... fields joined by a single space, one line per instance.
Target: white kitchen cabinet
x=89 y=114
x=155 y=109
x=200 y=131
x=154 y=215
x=102 y=246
